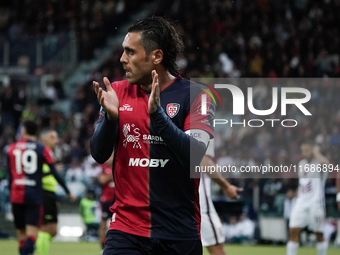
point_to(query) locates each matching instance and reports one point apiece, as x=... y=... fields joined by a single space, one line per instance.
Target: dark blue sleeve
x=185 y=147
x=104 y=138
x=60 y=180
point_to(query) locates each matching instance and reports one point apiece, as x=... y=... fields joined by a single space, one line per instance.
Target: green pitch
x=10 y=248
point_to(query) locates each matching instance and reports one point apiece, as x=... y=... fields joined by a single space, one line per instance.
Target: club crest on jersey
x=126 y=107
x=131 y=134
x=172 y=109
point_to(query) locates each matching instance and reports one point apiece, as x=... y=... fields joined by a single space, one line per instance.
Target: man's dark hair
x=308 y=142
x=30 y=127
x=158 y=33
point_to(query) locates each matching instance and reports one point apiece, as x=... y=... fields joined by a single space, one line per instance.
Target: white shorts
x=211 y=229
x=313 y=217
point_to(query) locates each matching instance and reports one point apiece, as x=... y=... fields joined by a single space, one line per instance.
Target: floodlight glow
x=71 y=231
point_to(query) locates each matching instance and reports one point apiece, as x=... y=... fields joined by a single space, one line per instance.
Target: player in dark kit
x=25 y=161
x=151 y=120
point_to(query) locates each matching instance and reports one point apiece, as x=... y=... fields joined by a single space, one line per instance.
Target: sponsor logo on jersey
x=172 y=109
x=152 y=139
x=26 y=146
x=145 y=162
x=26 y=182
x=126 y=107
x=132 y=135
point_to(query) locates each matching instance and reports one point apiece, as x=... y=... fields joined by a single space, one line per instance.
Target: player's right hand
x=107 y=99
x=231 y=191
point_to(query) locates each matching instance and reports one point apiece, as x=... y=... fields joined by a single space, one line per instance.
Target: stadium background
x=51 y=51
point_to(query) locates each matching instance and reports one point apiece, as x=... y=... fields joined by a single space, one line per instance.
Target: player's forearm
x=179 y=142
x=58 y=178
x=103 y=140
x=218 y=179
x=104 y=179
x=215 y=176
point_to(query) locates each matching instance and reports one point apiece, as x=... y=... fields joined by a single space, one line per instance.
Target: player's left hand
x=154 y=100
x=231 y=191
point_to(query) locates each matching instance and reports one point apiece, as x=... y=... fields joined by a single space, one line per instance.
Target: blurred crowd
x=56 y=22
x=261 y=38
x=239 y=229
x=241 y=38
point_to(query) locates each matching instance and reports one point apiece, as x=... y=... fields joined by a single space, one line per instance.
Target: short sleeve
x=48 y=156
x=196 y=120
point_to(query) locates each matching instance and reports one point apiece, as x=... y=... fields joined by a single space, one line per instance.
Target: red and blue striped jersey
x=108 y=189
x=25 y=160
x=155 y=196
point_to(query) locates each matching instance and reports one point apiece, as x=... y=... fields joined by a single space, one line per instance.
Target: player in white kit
x=211 y=227
x=309 y=209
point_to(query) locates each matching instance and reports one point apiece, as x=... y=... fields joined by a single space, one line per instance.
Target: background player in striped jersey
x=48 y=228
x=211 y=226
x=25 y=162
x=151 y=119
x=105 y=178
x=309 y=209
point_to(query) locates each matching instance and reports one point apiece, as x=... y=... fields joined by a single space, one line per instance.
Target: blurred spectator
x=75 y=178
x=232 y=230
x=270 y=189
x=91 y=169
x=7 y=107
x=239 y=231
x=4 y=197
x=75 y=172
x=247 y=227
x=76 y=152
x=50 y=92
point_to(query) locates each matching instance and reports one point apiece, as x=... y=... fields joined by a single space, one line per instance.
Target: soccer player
x=153 y=121
x=25 y=160
x=105 y=178
x=211 y=226
x=48 y=228
x=309 y=208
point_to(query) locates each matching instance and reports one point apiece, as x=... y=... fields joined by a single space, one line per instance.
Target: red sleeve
x=47 y=154
x=195 y=120
x=105 y=169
